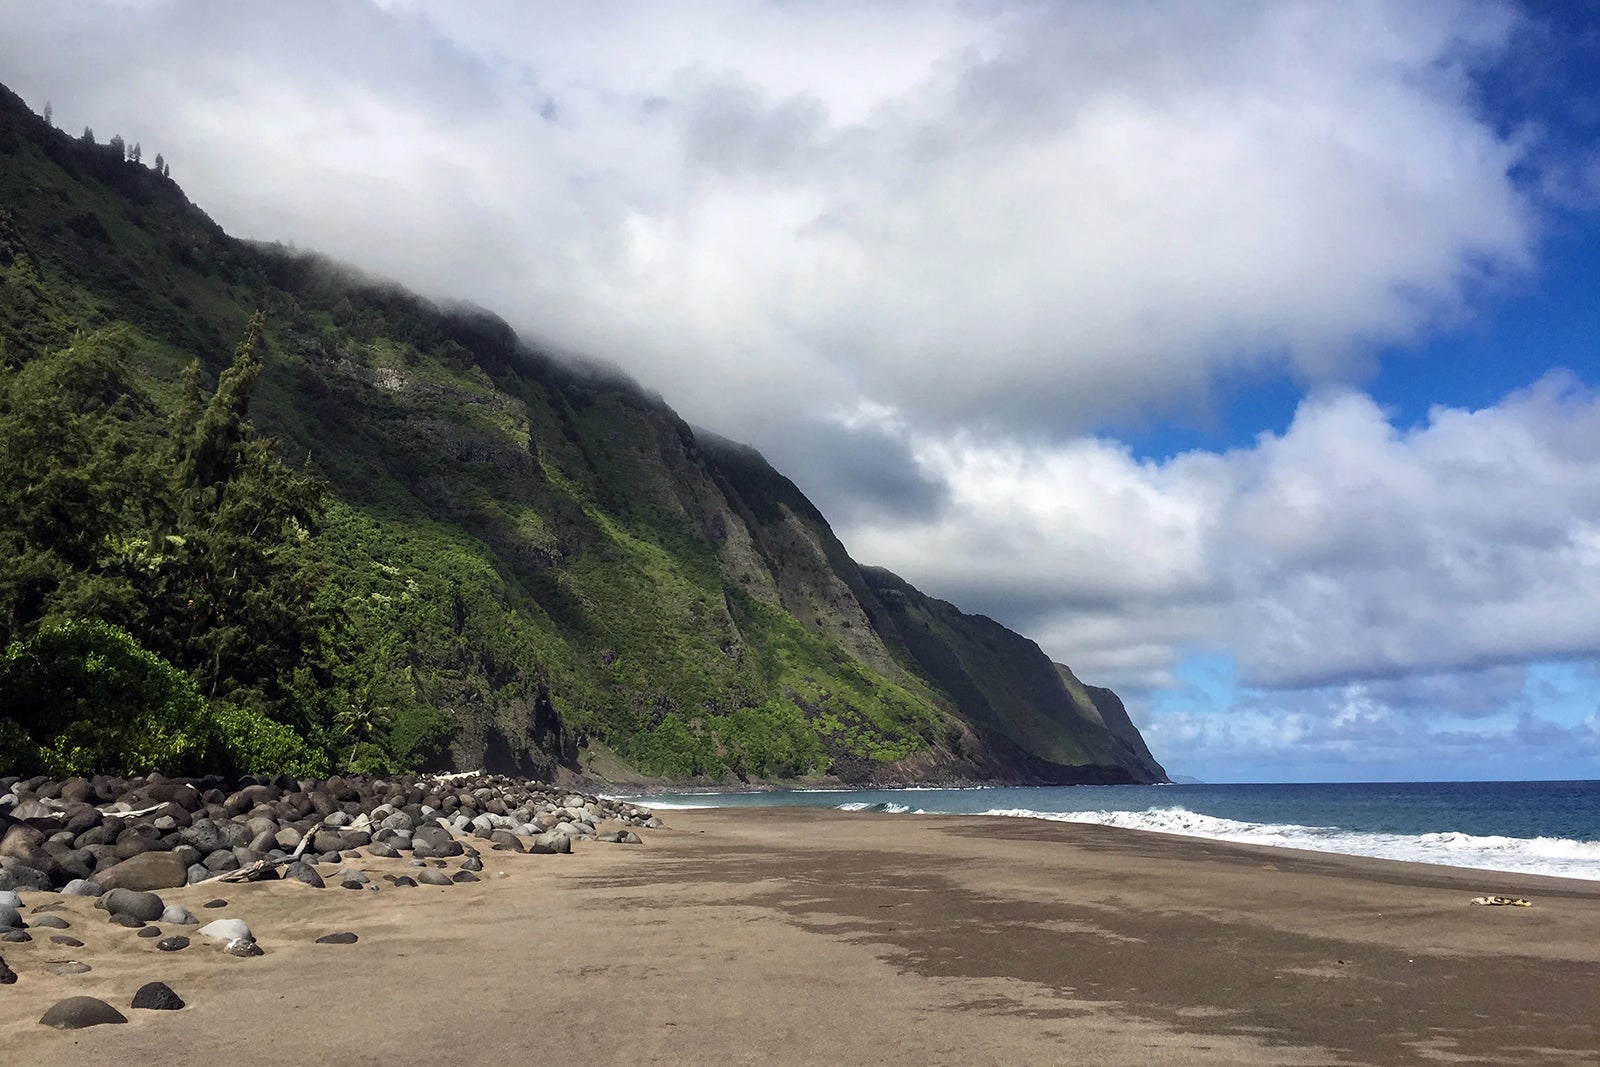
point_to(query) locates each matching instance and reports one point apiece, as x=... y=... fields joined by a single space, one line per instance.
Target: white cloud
x=1344 y=549
x=1015 y=214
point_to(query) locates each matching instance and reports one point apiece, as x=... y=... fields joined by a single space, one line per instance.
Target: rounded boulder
x=75 y=1013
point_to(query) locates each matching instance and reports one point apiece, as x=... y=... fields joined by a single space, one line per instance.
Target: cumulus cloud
x=1023 y=215
x=1541 y=724
x=1346 y=548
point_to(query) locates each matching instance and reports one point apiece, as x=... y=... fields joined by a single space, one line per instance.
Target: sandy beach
x=821 y=937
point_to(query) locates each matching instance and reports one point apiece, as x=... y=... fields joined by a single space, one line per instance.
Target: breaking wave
x=1563 y=857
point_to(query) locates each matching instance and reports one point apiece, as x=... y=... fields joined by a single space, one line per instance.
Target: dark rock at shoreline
x=66 y=940
x=343 y=938
x=300 y=871
x=75 y=1013
x=132 y=902
x=431 y=876
x=221 y=861
x=157 y=996
x=150 y=931
x=175 y=943
x=16 y=875
x=147 y=871
x=506 y=841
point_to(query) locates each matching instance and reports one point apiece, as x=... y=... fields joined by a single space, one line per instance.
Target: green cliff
x=464 y=552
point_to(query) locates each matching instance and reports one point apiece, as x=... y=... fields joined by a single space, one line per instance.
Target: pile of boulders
x=91 y=835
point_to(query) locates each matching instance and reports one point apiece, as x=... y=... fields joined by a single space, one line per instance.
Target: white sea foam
x=893 y=809
x=1524 y=855
x=668 y=805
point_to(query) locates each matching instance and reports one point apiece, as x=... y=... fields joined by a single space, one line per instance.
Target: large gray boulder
x=146 y=907
x=144 y=872
x=75 y=1013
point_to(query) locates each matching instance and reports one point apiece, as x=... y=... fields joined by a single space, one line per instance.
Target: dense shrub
x=247 y=742
x=88 y=698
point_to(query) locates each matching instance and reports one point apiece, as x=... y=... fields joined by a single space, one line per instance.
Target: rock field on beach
x=123 y=841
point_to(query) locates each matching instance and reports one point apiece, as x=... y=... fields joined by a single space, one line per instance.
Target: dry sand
x=780 y=936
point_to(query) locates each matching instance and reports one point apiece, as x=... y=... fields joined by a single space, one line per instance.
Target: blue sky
x=1242 y=354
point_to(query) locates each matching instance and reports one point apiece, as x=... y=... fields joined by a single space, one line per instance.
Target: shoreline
x=801 y=935
x=1493 y=850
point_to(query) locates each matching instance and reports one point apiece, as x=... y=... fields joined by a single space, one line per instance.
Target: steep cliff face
x=533 y=565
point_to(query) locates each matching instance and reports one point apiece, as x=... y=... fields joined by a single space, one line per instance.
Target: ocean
x=1524 y=827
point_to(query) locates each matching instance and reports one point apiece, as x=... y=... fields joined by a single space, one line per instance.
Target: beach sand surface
x=788 y=936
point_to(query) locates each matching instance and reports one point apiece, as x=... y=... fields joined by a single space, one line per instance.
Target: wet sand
x=820 y=937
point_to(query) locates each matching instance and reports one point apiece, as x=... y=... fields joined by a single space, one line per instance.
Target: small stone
x=53 y=922
x=69 y=967
x=175 y=943
x=630 y=838
x=472 y=863
x=65 y=939
x=10 y=917
x=7 y=975
x=81 y=887
x=226 y=930
x=352 y=875
x=150 y=931
x=127 y=920
x=16 y=937
x=464 y=876
x=243 y=947
x=406 y=881
x=178 y=915
x=10 y=898
x=345 y=938
x=157 y=996
x=506 y=841
x=218 y=903
x=383 y=851
x=429 y=876
x=300 y=871
x=75 y=1013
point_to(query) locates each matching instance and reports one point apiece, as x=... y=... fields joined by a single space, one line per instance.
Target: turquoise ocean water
x=1525 y=827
